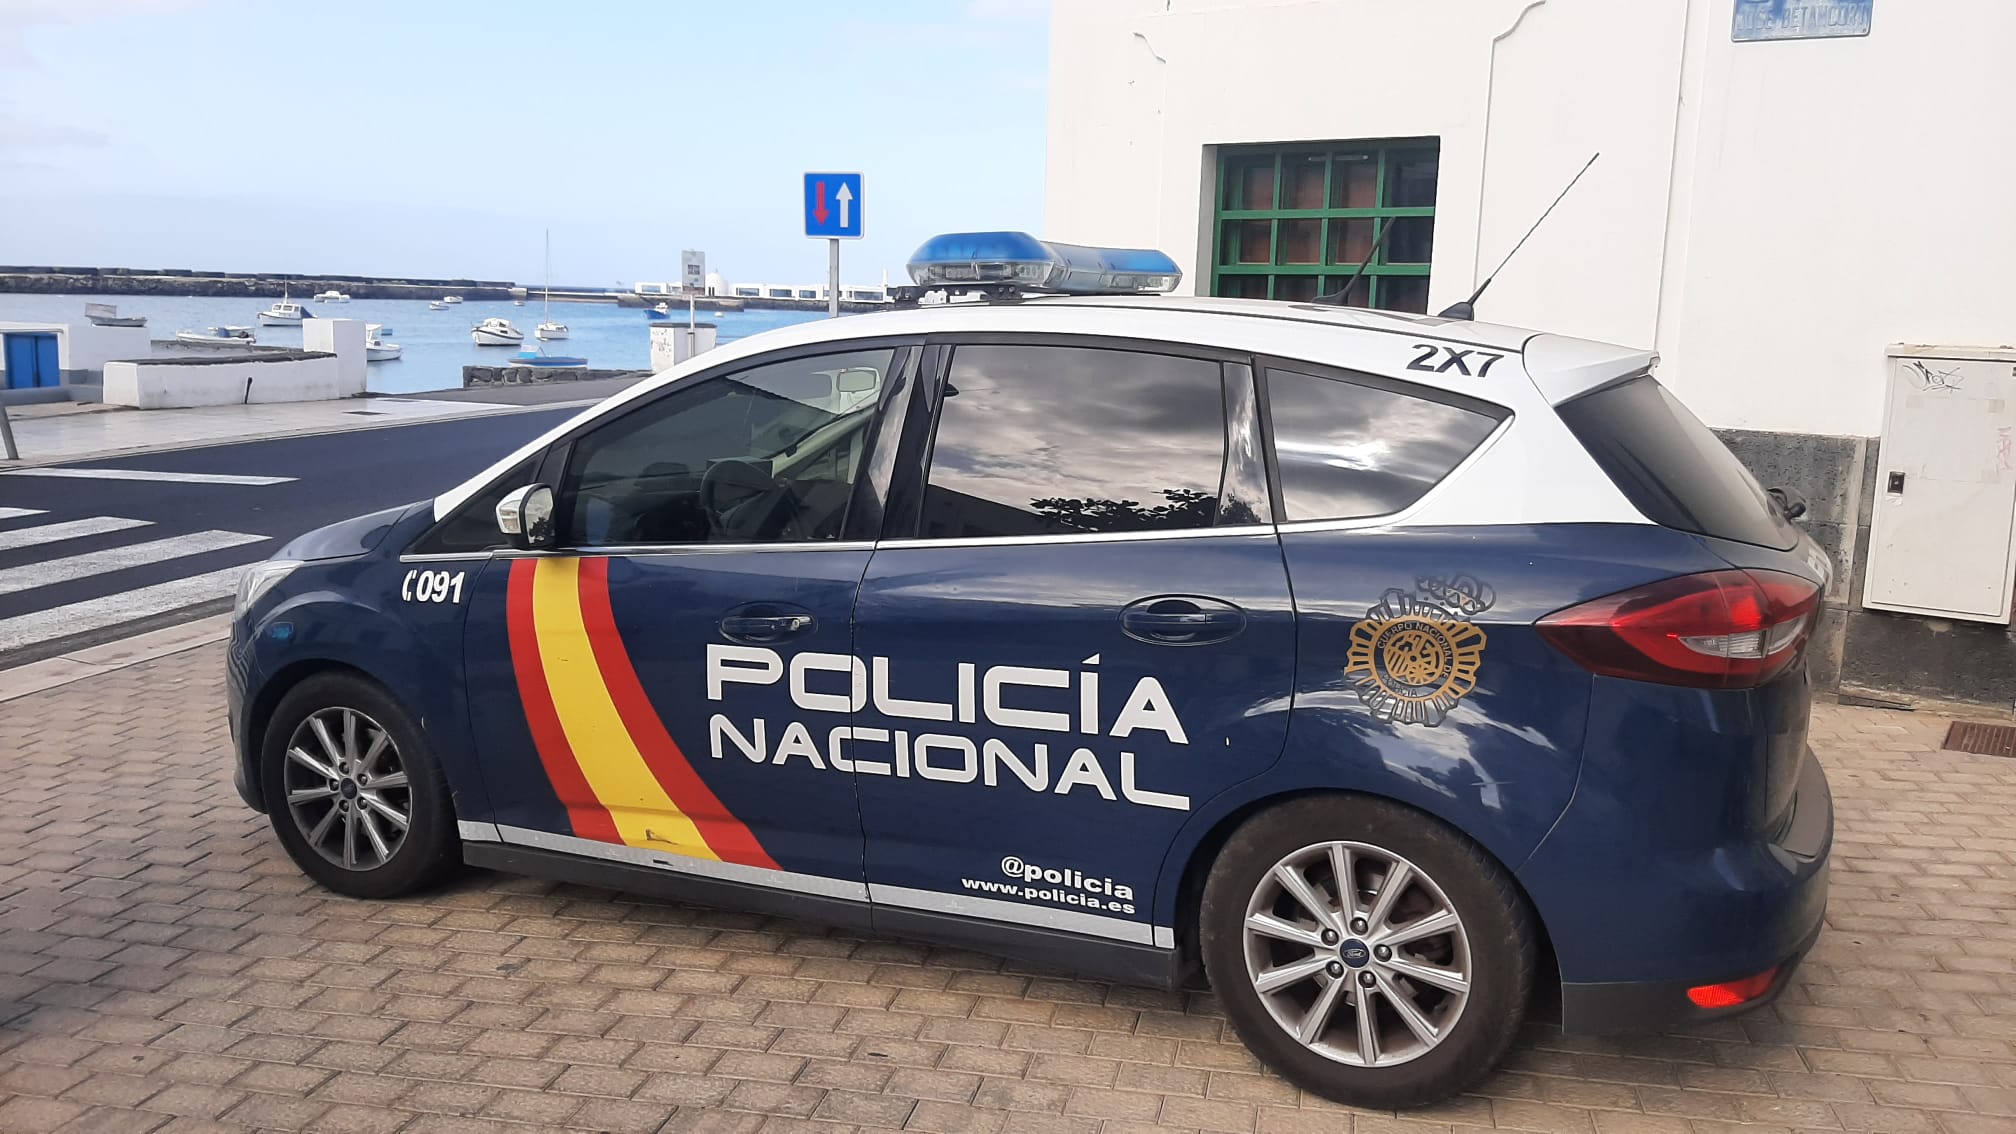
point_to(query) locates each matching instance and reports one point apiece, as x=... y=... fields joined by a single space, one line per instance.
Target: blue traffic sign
x=833 y=205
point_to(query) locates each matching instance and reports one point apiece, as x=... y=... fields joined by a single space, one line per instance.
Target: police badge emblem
x=1415 y=654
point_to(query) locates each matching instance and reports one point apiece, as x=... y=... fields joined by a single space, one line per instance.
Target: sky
x=441 y=137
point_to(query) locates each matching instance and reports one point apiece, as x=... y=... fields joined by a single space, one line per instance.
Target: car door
x=632 y=694
x=1083 y=634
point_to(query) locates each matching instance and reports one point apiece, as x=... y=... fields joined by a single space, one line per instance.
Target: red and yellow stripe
x=617 y=771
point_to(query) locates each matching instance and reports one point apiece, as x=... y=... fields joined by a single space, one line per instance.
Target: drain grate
x=1981 y=739
x=367 y=412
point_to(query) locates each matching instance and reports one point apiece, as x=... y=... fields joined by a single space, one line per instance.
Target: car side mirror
x=526 y=517
x=1791 y=504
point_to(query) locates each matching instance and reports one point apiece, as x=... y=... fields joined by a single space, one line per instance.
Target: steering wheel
x=728 y=484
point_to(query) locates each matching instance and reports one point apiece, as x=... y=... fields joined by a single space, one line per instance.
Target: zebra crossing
x=61 y=578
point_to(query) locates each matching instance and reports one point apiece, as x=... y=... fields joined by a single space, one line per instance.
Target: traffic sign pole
x=833 y=278
x=7 y=427
x=833 y=209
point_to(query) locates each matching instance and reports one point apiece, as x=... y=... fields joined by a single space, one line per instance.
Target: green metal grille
x=1293 y=222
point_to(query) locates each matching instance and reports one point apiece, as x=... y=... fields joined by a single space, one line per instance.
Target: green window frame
x=1292 y=222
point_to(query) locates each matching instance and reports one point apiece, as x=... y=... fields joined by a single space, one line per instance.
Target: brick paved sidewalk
x=163 y=967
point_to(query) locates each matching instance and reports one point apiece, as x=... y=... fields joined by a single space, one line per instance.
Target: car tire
x=1455 y=944
x=337 y=798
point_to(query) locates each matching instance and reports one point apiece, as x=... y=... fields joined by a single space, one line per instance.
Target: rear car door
x=630 y=692
x=1081 y=634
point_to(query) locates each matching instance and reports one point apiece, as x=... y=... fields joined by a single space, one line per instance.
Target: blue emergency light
x=1019 y=260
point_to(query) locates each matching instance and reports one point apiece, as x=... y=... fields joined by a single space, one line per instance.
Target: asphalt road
x=84 y=560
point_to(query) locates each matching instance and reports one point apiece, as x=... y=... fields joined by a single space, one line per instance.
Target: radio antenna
x=1343 y=298
x=1467 y=309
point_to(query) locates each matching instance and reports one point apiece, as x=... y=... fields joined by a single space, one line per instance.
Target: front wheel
x=353 y=791
x=1365 y=951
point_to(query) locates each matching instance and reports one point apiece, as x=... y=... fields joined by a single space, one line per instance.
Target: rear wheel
x=353 y=791
x=1365 y=951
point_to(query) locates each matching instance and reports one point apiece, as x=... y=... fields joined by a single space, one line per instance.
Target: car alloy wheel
x=1357 y=953
x=347 y=789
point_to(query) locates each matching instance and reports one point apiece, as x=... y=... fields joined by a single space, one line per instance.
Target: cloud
x=18 y=16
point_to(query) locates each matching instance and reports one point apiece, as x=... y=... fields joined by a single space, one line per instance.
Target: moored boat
x=376 y=348
x=437 y=305
x=451 y=299
x=331 y=296
x=547 y=361
x=496 y=332
x=219 y=336
x=285 y=313
x=107 y=315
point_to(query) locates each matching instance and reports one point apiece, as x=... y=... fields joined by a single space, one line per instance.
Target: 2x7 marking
x=1453 y=359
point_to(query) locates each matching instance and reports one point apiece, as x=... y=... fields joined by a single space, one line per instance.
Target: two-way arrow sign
x=833 y=205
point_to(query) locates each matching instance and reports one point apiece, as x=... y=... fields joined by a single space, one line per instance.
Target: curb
x=310 y=431
x=53 y=673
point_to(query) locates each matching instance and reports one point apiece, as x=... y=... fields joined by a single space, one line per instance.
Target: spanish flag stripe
x=587 y=816
x=731 y=840
x=645 y=815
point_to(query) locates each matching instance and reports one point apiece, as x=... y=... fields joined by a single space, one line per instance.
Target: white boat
x=517 y=303
x=451 y=299
x=107 y=315
x=331 y=296
x=285 y=313
x=219 y=336
x=437 y=305
x=496 y=332
x=376 y=348
x=548 y=330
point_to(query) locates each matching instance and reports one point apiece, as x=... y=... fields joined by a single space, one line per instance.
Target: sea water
x=436 y=343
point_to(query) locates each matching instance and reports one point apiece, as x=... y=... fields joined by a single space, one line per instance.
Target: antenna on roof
x=1343 y=298
x=1468 y=308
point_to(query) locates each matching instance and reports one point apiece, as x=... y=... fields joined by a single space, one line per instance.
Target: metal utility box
x=1943 y=535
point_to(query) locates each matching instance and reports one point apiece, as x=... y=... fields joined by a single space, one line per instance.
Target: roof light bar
x=1019 y=260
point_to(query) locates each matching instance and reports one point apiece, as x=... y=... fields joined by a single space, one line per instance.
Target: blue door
x=672 y=690
x=1086 y=637
x=32 y=361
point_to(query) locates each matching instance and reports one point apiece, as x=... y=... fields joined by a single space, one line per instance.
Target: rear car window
x=1673 y=468
x=1351 y=449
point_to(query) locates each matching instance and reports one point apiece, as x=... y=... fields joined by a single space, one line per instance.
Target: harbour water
x=436 y=343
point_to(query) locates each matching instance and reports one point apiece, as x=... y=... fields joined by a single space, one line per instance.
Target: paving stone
x=164 y=968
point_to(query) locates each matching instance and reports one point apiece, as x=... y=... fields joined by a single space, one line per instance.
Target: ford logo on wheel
x=1355 y=954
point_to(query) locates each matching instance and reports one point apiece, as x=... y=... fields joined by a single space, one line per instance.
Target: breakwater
x=53 y=280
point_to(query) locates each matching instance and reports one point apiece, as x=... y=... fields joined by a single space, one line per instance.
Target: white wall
x=168 y=385
x=343 y=338
x=86 y=346
x=1769 y=215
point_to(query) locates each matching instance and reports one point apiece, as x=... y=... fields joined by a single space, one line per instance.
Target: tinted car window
x=1673 y=468
x=1346 y=450
x=766 y=455
x=473 y=526
x=1041 y=440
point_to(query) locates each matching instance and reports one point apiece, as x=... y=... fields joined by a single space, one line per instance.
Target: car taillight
x=1717 y=630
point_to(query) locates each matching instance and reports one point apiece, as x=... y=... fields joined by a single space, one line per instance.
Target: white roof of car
x=1373 y=342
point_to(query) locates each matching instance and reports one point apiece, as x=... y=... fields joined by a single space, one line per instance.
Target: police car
x=1381 y=670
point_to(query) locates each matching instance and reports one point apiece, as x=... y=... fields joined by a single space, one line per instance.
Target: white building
x=1770 y=215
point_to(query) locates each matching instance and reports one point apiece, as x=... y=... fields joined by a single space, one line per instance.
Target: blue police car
x=1380 y=670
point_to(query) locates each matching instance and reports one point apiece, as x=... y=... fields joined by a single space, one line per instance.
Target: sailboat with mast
x=548 y=330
